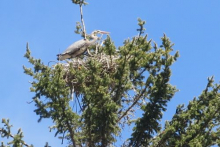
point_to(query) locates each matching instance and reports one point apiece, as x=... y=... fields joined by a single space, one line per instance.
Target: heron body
x=78 y=48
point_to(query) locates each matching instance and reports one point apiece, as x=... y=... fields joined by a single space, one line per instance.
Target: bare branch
x=84 y=28
x=136 y=99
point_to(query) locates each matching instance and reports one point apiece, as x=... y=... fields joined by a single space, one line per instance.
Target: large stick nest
x=108 y=65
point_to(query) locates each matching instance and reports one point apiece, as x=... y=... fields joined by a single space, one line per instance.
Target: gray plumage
x=78 y=48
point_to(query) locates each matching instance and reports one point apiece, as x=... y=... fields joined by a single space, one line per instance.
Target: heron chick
x=78 y=48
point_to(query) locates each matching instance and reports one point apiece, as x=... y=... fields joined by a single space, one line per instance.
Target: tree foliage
x=109 y=87
x=195 y=125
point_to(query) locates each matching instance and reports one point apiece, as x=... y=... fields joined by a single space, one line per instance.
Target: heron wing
x=75 y=47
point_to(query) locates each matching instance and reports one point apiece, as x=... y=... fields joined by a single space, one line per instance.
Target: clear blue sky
x=48 y=26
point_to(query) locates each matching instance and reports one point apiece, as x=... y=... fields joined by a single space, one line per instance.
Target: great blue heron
x=78 y=48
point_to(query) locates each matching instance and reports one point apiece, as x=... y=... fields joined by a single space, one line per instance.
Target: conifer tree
x=108 y=86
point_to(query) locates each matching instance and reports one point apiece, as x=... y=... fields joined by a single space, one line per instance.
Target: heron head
x=99 y=32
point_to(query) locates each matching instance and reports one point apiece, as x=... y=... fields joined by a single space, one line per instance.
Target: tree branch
x=12 y=136
x=137 y=97
x=84 y=28
x=69 y=126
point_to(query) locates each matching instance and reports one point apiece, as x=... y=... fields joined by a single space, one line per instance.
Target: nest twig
x=108 y=62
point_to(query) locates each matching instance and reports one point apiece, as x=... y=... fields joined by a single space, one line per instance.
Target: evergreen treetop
x=109 y=86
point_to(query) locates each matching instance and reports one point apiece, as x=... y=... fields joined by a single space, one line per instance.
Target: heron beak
x=103 y=32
